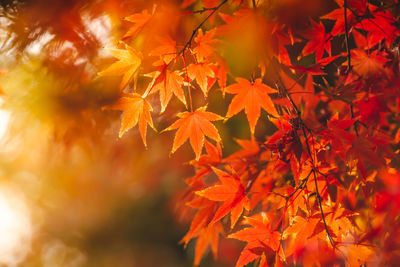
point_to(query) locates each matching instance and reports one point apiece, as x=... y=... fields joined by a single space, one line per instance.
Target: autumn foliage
x=324 y=188
x=317 y=183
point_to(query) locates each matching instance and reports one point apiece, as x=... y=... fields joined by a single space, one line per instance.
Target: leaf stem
x=188 y=86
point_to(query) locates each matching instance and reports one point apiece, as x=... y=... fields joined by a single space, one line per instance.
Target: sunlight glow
x=15 y=228
x=4 y=119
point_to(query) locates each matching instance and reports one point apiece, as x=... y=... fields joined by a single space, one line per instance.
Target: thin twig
x=204 y=9
x=188 y=87
x=189 y=42
x=285 y=93
x=300 y=186
x=322 y=211
x=346 y=26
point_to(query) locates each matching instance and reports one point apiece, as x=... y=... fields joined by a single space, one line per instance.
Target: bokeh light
x=15 y=227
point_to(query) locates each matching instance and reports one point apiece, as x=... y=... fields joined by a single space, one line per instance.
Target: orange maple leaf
x=194 y=125
x=128 y=64
x=205 y=44
x=136 y=110
x=139 y=20
x=202 y=218
x=165 y=51
x=231 y=192
x=300 y=93
x=167 y=83
x=208 y=237
x=358 y=255
x=251 y=97
x=201 y=72
x=301 y=229
x=259 y=237
x=221 y=73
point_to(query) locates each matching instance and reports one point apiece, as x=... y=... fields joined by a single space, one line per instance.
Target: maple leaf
x=212 y=158
x=167 y=83
x=139 y=20
x=336 y=133
x=231 y=192
x=209 y=237
x=370 y=109
x=207 y=234
x=358 y=255
x=251 y=97
x=280 y=38
x=136 y=110
x=221 y=74
x=338 y=219
x=319 y=41
x=249 y=148
x=202 y=218
x=166 y=51
x=365 y=151
x=259 y=237
x=128 y=64
x=381 y=26
x=357 y=6
x=299 y=94
x=339 y=27
x=194 y=126
x=205 y=44
x=368 y=65
x=201 y=72
x=301 y=229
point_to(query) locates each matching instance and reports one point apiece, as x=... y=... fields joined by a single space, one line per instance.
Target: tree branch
x=314 y=169
x=189 y=42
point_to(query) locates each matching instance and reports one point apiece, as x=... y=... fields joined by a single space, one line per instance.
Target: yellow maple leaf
x=128 y=64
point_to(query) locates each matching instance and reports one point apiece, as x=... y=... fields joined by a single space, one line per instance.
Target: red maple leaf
x=319 y=42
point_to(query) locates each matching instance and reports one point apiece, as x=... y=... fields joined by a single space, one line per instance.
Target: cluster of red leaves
x=323 y=189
